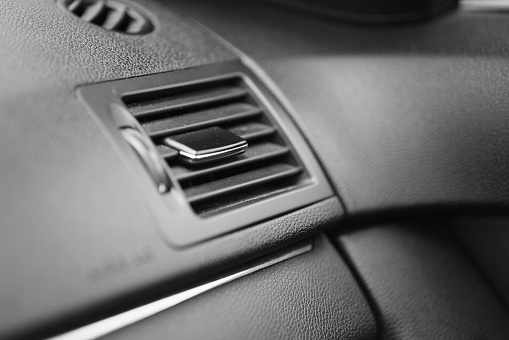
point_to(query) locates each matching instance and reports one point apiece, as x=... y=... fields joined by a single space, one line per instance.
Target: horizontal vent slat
x=167 y=152
x=184 y=100
x=252 y=130
x=200 y=119
x=255 y=153
x=241 y=181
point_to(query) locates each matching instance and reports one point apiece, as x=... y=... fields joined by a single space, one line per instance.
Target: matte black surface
x=487 y=241
x=75 y=233
x=402 y=117
x=228 y=185
x=99 y=279
x=312 y=296
x=374 y=11
x=422 y=285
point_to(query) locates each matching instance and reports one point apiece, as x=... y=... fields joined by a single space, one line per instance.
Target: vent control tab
x=207 y=145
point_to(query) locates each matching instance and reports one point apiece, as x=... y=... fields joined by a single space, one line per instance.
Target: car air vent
x=110 y=15
x=210 y=149
x=266 y=168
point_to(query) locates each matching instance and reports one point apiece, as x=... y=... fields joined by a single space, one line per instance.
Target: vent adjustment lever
x=206 y=145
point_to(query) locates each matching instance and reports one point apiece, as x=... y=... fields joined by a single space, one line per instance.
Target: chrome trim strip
x=104 y=327
x=213 y=155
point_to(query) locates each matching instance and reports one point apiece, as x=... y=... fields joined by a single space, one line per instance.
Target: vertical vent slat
x=96 y=13
x=111 y=15
x=116 y=19
x=77 y=7
x=268 y=167
x=137 y=24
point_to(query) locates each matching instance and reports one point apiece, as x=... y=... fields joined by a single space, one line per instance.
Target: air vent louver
x=193 y=124
x=268 y=167
x=109 y=14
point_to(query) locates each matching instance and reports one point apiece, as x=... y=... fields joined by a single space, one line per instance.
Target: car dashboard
x=252 y=170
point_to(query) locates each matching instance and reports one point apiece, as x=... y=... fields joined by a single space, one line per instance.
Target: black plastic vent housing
x=268 y=167
x=109 y=14
x=277 y=173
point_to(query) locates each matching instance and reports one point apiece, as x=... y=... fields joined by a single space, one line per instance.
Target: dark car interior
x=254 y=169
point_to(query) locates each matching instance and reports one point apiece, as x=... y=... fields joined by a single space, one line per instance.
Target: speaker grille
x=110 y=15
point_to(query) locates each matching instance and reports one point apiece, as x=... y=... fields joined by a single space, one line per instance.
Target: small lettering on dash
x=121 y=264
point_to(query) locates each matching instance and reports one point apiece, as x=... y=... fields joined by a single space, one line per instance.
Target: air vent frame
x=176 y=219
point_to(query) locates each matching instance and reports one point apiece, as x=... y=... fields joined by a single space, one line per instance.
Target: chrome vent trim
x=117 y=322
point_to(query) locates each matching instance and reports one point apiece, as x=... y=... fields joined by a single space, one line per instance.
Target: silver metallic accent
x=149 y=156
x=206 y=145
x=214 y=155
x=104 y=327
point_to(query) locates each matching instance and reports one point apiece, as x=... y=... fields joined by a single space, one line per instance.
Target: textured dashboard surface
x=422 y=286
x=402 y=117
x=76 y=237
x=312 y=296
x=40 y=42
